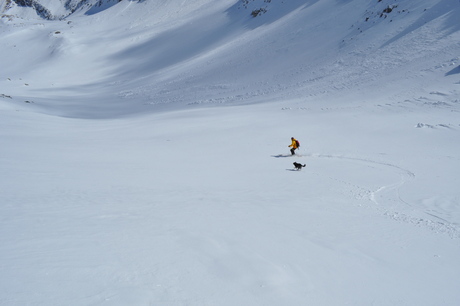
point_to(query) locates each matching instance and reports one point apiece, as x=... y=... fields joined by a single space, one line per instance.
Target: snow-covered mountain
x=54 y=9
x=160 y=53
x=144 y=154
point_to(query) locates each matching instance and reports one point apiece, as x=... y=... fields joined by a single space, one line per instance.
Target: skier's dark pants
x=292 y=151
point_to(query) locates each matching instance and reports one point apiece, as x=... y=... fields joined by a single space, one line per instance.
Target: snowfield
x=144 y=153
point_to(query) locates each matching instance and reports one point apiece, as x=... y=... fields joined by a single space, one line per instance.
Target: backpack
x=297 y=143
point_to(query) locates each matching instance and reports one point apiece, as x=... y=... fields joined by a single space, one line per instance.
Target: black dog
x=298 y=166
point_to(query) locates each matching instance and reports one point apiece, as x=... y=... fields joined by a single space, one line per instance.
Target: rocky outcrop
x=60 y=11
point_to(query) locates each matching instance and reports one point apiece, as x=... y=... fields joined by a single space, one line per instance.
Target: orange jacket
x=294 y=143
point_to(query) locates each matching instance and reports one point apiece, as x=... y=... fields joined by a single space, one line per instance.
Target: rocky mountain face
x=56 y=9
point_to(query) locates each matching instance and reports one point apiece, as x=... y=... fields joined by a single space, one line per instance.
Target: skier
x=294 y=145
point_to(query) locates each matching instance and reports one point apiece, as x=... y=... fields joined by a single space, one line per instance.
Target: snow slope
x=144 y=156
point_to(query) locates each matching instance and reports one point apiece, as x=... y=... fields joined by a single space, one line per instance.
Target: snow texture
x=144 y=152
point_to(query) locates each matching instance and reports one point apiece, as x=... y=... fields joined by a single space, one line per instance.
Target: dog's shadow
x=295 y=170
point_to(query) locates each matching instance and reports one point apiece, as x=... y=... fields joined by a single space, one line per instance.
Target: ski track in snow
x=390 y=193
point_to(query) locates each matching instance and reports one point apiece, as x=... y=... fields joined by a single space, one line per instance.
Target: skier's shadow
x=282 y=155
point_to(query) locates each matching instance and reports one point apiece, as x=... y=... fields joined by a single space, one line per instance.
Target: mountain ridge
x=57 y=9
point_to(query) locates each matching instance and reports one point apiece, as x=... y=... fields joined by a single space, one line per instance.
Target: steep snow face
x=157 y=55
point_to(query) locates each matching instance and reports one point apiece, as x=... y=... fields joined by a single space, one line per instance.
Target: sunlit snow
x=144 y=153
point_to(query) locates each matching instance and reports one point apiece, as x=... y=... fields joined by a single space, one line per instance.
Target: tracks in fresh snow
x=387 y=197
